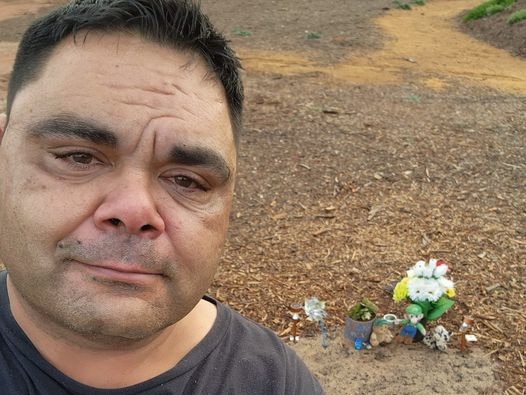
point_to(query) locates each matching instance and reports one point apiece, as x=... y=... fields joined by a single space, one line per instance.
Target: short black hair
x=179 y=24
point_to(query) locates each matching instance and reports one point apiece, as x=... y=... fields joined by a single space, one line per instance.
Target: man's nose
x=129 y=207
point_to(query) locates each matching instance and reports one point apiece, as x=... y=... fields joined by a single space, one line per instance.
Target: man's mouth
x=120 y=272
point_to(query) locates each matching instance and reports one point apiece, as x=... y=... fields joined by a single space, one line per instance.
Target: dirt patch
x=390 y=138
x=428 y=50
x=15 y=16
x=394 y=369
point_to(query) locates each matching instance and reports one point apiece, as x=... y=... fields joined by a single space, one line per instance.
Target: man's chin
x=118 y=326
x=109 y=318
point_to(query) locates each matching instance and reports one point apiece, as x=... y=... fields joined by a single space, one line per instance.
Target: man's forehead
x=129 y=69
x=135 y=50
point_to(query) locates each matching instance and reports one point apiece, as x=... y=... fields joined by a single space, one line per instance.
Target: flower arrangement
x=427 y=286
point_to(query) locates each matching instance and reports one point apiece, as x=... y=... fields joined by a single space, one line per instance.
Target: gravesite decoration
x=359 y=322
x=428 y=291
x=294 y=309
x=464 y=335
x=315 y=311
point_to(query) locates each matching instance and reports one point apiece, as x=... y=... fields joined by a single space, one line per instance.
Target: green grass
x=494 y=9
x=413 y=98
x=240 y=32
x=313 y=35
x=403 y=6
x=487 y=8
x=418 y=2
x=517 y=16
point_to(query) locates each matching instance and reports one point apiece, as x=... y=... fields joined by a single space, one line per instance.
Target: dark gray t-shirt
x=237 y=356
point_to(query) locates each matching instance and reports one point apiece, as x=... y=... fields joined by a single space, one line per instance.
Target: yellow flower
x=400 y=291
x=450 y=292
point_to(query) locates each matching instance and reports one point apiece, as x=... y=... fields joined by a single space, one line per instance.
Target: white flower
x=445 y=283
x=429 y=268
x=440 y=271
x=417 y=270
x=423 y=289
x=427 y=281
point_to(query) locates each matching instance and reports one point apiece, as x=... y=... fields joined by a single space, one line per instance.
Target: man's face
x=116 y=178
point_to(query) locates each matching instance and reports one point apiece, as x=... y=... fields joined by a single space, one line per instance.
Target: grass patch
x=240 y=32
x=418 y=2
x=413 y=98
x=402 y=6
x=313 y=35
x=488 y=8
x=494 y=9
x=517 y=16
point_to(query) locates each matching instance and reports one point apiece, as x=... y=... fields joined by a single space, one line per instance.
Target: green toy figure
x=413 y=315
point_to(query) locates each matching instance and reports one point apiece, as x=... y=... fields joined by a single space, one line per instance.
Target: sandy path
x=422 y=46
x=12 y=10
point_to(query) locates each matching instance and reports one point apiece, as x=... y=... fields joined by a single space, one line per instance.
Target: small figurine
x=381 y=335
x=464 y=330
x=437 y=338
x=358 y=344
x=295 y=309
x=413 y=314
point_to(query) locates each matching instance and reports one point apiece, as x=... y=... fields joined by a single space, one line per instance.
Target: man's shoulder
x=255 y=354
x=251 y=337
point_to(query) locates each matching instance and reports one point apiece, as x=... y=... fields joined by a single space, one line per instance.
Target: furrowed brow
x=72 y=126
x=204 y=157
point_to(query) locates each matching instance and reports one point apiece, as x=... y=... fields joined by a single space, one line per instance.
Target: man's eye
x=78 y=159
x=186 y=182
x=84 y=159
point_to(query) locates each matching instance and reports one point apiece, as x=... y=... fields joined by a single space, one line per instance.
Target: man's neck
x=99 y=365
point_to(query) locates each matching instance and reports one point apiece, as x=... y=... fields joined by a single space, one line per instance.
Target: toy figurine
x=464 y=329
x=437 y=338
x=413 y=315
x=295 y=309
x=381 y=335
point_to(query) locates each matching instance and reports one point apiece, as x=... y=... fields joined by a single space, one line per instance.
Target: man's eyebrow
x=69 y=125
x=200 y=156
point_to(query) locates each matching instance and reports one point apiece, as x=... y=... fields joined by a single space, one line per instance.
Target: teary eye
x=79 y=160
x=185 y=182
x=83 y=158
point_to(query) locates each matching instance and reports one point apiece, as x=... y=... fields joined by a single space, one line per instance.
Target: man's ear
x=3 y=125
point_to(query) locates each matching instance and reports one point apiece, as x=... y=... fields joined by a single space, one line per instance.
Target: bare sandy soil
x=395 y=369
x=374 y=137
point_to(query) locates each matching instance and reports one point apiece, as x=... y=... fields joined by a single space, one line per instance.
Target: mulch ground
x=342 y=188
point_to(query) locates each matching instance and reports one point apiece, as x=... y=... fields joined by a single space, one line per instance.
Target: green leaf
x=425 y=305
x=440 y=307
x=369 y=305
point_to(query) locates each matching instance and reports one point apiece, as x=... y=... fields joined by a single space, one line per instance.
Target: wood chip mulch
x=339 y=206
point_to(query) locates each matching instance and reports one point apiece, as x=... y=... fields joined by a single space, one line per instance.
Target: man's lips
x=121 y=272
